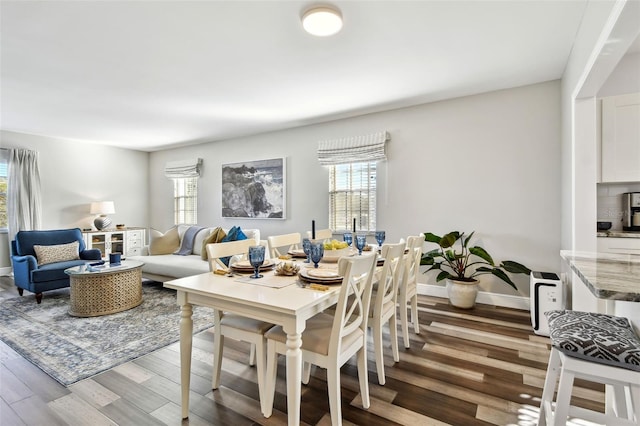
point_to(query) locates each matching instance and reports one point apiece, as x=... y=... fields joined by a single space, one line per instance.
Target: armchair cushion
x=57 y=253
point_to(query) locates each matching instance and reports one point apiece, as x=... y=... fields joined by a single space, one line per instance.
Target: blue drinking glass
x=256 y=259
x=380 y=235
x=306 y=247
x=361 y=241
x=317 y=251
x=347 y=237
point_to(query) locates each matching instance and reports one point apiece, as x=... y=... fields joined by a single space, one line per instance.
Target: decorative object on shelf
x=254 y=189
x=102 y=208
x=460 y=269
x=121 y=226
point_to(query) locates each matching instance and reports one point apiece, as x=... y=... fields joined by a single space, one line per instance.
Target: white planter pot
x=462 y=294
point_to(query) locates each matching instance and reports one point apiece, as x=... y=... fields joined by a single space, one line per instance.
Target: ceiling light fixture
x=322 y=21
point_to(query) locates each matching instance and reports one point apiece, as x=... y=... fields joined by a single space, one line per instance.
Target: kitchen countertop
x=607 y=275
x=618 y=234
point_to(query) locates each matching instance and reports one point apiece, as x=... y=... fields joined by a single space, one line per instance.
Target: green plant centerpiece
x=460 y=266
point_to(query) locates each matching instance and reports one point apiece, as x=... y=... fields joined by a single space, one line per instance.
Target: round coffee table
x=105 y=289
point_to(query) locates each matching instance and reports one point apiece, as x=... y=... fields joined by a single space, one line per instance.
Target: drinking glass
x=347 y=237
x=380 y=235
x=317 y=251
x=306 y=246
x=256 y=258
x=361 y=241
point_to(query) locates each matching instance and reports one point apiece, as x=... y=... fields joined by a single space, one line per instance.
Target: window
x=3 y=193
x=352 y=194
x=185 y=200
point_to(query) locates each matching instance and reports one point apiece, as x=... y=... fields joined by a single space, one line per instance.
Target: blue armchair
x=28 y=275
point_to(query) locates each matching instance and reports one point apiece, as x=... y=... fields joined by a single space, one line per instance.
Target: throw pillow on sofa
x=57 y=253
x=216 y=236
x=165 y=243
x=235 y=234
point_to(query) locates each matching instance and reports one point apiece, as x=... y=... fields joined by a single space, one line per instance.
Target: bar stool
x=595 y=347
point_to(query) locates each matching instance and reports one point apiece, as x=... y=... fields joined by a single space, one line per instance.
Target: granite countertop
x=618 y=234
x=607 y=275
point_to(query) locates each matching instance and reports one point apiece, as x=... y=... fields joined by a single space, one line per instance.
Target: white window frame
x=185 y=200
x=353 y=194
x=4 y=176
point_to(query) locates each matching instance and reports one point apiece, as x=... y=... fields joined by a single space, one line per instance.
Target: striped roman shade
x=183 y=169
x=356 y=149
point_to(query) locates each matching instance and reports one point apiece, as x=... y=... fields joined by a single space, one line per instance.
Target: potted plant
x=461 y=267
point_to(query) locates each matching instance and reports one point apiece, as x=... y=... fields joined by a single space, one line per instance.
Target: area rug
x=70 y=349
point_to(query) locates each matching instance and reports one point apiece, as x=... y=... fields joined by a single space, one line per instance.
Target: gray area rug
x=70 y=349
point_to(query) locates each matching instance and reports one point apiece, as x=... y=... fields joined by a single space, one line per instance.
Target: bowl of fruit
x=334 y=250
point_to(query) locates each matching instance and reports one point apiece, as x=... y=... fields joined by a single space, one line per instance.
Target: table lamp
x=102 y=208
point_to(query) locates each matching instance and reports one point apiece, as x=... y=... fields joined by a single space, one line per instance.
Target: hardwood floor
x=478 y=367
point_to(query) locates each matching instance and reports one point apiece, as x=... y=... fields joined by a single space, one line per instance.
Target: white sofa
x=166 y=267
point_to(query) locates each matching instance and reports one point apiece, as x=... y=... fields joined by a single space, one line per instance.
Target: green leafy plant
x=466 y=263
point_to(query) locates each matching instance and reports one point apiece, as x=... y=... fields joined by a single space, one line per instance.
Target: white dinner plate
x=245 y=264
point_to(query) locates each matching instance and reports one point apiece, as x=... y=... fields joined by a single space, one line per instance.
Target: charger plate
x=297 y=253
x=245 y=266
x=324 y=276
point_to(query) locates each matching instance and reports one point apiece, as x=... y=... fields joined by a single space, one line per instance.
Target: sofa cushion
x=165 y=243
x=57 y=253
x=600 y=338
x=53 y=271
x=214 y=237
x=234 y=234
x=169 y=265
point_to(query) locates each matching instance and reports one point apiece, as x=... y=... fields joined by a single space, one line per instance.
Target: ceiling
x=151 y=75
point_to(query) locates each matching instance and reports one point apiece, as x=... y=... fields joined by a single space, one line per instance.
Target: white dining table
x=289 y=306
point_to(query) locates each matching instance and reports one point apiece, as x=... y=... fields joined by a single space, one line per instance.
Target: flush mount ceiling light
x=322 y=21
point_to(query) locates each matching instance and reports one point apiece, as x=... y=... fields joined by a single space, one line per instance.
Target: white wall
x=488 y=163
x=74 y=174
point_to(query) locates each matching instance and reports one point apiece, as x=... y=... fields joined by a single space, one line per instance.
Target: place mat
x=297 y=253
x=269 y=280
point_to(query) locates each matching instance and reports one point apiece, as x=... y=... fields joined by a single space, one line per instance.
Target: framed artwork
x=254 y=189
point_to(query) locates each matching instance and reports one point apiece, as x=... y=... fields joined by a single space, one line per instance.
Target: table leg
x=294 y=375
x=186 y=341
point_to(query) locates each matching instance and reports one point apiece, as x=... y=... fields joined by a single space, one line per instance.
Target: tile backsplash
x=610 y=207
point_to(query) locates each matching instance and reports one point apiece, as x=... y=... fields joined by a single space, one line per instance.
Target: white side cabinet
x=128 y=241
x=619 y=245
x=620 y=156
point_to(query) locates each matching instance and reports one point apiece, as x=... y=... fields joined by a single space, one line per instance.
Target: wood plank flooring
x=478 y=367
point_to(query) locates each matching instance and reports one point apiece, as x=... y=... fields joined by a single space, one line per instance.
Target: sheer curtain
x=24 y=195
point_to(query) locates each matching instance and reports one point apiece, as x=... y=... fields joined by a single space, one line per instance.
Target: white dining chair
x=322 y=234
x=281 y=244
x=383 y=304
x=330 y=340
x=408 y=288
x=237 y=326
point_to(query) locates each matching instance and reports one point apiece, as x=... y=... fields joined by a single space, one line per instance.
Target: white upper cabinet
x=621 y=138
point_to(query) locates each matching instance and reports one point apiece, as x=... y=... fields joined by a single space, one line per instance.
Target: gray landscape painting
x=254 y=189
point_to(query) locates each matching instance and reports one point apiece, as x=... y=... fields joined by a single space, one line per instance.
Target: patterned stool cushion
x=600 y=338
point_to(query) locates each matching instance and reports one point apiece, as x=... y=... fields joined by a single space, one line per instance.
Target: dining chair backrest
x=217 y=251
x=412 y=261
x=354 y=300
x=322 y=234
x=387 y=287
x=282 y=244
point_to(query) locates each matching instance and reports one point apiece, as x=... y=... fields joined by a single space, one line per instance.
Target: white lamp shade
x=322 y=21
x=103 y=207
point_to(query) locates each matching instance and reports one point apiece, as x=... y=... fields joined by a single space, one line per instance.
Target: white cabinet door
x=619 y=245
x=621 y=138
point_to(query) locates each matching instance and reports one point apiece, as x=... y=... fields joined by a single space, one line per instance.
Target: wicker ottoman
x=105 y=291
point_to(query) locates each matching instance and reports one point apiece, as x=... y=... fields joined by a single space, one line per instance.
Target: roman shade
x=355 y=149
x=183 y=169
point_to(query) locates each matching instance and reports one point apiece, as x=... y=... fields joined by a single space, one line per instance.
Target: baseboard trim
x=506 y=300
x=6 y=272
